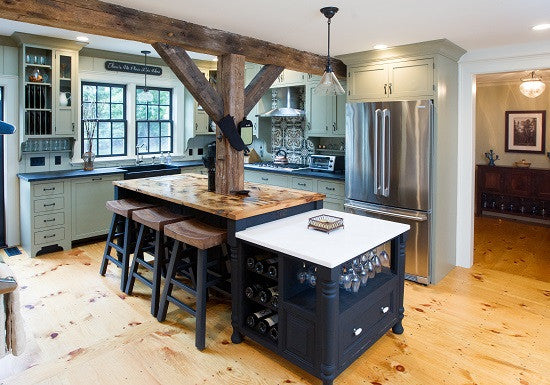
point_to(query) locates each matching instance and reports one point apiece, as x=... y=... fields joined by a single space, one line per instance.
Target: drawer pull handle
x=302 y=184
x=357 y=331
x=49 y=189
x=49 y=205
x=94 y=179
x=330 y=188
x=385 y=309
x=49 y=236
x=265 y=178
x=49 y=220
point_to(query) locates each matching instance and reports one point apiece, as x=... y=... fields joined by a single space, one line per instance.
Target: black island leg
x=327 y=313
x=236 y=281
x=398 y=267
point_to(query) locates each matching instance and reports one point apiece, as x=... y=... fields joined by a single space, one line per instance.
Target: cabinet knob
x=357 y=331
x=73 y=127
x=385 y=309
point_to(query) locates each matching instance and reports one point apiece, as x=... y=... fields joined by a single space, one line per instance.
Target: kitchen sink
x=150 y=170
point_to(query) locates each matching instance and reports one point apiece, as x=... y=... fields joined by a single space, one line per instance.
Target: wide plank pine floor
x=478 y=326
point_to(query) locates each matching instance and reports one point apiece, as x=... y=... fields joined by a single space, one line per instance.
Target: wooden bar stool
x=122 y=216
x=203 y=237
x=153 y=221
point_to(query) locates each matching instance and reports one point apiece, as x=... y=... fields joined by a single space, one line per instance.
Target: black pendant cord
x=146 y=90
x=329 y=67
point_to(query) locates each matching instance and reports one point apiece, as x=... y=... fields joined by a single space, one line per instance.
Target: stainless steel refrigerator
x=388 y=152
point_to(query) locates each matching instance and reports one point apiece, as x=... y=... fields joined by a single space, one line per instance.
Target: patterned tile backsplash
x=288 y=134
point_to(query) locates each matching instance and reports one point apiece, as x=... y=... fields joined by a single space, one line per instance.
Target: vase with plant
x=90 y=124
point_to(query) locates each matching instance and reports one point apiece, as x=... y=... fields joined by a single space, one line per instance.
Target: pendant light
x=532 y=86
x=146 y=95
x=329 y=84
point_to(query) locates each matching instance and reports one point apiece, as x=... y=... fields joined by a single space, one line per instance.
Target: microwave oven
x=330 y=163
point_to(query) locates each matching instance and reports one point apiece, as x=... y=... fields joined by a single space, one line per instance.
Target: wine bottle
x=261 y=266
x=251 y=263
x=268 y=293
x=253 y=290
x=274 y=301
x=254 y=318
x=266 y=323
x=272 y=270
x=274 y=333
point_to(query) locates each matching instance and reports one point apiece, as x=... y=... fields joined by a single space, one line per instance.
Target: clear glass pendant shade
x=532 y=86
x=146 y=97
x=329 y=85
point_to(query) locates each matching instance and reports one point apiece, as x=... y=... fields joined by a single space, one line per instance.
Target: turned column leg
x=236 y=283
x=398 y=267
x=328 y=308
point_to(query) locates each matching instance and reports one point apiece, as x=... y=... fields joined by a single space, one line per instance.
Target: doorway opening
x=2 y=208
x=512 y=197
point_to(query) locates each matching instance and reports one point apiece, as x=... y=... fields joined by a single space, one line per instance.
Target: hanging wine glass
x=355 y=281
x=376 y=263
x=302 y=274
x=312 y=277
x=364 y=275
x=370 y=269
x=385 y=258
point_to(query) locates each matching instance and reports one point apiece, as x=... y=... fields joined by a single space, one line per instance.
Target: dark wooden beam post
x=229 y=162
x=259 y=85
x=192 y=78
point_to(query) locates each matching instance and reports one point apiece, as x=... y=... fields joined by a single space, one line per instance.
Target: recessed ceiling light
x=83 y=38
x=380 y=46
x=540 y=27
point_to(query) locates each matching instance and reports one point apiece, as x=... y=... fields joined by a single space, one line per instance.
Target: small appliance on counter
x=331 y=163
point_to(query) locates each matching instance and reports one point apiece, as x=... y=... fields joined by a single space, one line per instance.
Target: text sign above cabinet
x=132 y=68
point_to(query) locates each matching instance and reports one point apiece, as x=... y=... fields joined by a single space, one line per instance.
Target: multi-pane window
x=104 y=118
x=154 y=121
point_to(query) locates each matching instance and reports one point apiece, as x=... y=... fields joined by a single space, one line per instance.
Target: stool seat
x=195 y=233
x=156 y=218
x=125 y=207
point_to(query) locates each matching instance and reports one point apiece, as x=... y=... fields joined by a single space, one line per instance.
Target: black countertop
x=340 y=176
x=67 y=174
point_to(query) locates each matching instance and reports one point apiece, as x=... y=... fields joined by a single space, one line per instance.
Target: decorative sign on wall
x=132 y=68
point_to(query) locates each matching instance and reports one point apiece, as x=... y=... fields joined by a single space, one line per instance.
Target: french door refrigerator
x=388 y=152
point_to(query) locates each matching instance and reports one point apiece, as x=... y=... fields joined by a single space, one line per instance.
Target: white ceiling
x=511 y=77
x=472 y=24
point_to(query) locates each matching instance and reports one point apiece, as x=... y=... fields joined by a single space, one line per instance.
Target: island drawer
x=303 y=184
x=42 y=205
x=49 y=236
x=331 y=188
x=362 y=322
x=49 y=220
x=44 y=189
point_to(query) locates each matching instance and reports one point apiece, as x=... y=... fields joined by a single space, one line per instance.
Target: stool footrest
x=116 y=247
x=114 y=260
x=184 y=287
x=181 y=305
x=143 y=280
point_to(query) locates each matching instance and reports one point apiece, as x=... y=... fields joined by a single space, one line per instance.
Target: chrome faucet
x=138 y=158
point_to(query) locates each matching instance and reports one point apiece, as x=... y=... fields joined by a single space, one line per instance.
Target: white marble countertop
x=292 y=236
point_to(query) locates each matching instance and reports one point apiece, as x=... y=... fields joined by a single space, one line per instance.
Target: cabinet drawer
x=331 y=188
x=49 y=220
x=363 y=323
x=42 y=205
x=334 y=204
x=268 y=178
x=44 y=189
x=49 y=236
x=303 y=184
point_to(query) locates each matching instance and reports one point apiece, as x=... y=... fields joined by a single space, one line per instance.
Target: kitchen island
x=319 y=322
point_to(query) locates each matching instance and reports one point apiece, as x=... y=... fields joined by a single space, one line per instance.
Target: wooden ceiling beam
x=259 y=85
x=106 y=19
x=192 y=78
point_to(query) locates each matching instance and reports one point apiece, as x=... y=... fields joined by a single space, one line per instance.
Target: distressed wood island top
x=191 y=190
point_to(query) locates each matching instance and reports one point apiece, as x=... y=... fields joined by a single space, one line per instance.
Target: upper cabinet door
x=290 y=78
x=412 y=78
x=66 y=96
x=368 y=82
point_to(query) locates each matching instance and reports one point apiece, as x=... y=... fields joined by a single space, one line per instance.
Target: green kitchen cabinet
x=325 y=115
x=250 y=70
x=90 y=218
x=289 y=78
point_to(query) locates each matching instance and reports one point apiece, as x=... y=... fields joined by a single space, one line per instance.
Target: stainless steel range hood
x=291 y=110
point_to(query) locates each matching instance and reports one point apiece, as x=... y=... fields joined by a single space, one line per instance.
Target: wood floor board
x=485 y=325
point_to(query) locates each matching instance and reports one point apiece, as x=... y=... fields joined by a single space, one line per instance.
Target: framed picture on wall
x=525 y=131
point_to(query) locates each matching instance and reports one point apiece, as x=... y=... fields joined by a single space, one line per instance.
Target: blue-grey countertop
x=307 y=173
x=66 y=174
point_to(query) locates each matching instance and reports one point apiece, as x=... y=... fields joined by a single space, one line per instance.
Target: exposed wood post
x=192 y=78
x=259 y=85
x=229 y=162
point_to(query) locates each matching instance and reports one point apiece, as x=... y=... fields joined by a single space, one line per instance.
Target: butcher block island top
x=191 y=190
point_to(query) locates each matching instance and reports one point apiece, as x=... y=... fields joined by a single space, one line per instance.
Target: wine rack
x=261 y=294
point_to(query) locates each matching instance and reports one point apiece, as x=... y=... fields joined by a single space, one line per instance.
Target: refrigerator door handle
x=376 y=163
x=417 y=217
x=386 y=116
